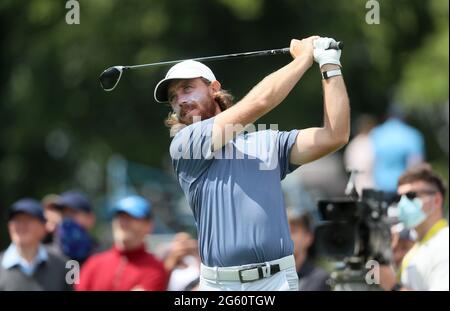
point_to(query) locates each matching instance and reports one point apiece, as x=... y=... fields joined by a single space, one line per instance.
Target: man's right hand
x=303 y=48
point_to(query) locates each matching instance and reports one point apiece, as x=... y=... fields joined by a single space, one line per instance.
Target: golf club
x=111 y=76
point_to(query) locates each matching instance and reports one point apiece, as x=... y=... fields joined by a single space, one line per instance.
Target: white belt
x=247 y=273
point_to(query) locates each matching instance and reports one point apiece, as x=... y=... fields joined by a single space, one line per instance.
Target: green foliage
x=425 y=76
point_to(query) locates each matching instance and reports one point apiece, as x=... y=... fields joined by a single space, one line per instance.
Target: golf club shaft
x=111 y=76
x=335 y=45
x=217 y=57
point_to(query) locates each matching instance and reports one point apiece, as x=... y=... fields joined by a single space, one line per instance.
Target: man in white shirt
x=426 y=265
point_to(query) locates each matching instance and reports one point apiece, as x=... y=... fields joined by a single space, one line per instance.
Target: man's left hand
x=323 y=56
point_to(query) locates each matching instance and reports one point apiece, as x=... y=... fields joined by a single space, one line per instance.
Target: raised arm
x=265 y=96
x=316 y=142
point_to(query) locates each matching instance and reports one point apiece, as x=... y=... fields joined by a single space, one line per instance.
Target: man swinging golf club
x=237 y=201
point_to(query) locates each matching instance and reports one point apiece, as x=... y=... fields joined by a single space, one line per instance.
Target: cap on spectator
x=74 y=200
x=135 y=206
x=28 y=206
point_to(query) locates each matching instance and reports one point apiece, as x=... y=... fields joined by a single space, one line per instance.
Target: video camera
x=352 y=228
x=353 y=231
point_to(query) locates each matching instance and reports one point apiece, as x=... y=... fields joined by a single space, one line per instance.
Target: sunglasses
x=411 y=195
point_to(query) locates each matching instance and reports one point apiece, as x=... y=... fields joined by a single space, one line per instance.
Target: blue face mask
x=410 y=212
x=74 y=240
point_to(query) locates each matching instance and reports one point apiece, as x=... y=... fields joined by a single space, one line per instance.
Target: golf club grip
x=337 y=45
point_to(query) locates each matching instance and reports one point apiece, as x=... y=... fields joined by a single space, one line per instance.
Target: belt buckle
x=260 y=273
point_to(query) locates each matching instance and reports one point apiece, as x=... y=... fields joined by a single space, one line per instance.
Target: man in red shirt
x=127 y=265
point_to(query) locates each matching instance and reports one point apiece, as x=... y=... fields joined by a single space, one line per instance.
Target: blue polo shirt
x=235 y=193
x=395 y=143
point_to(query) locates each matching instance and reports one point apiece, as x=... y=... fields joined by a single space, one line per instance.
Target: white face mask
x=410 y=212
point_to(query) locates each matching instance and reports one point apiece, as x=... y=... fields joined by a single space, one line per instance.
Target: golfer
x=231 y=176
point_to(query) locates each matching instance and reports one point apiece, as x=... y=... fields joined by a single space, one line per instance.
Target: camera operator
x=421 y=194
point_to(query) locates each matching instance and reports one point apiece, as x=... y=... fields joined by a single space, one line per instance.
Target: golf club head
x=110 y=77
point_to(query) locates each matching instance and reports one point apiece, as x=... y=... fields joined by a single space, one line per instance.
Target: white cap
x=187 y=69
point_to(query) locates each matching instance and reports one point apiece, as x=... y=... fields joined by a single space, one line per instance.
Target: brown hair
x=222 y=97
x=423 y=172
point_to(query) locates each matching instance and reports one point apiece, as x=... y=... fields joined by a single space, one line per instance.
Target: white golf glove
x=323 y=56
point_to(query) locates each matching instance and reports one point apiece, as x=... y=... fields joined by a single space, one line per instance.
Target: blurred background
x=59 y=130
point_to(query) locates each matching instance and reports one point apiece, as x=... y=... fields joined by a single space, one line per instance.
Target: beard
x=196 y=111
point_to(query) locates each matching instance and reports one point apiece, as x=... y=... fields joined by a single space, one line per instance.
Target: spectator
x=182 y=261
x=359 y=154
x=311 y=277
x=421 y=203
x=71 y=235
x=27 y=265
x=53 y=216
x=127 y=265
x=397 y=146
